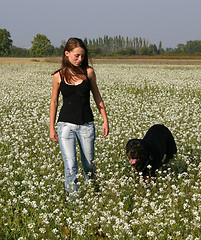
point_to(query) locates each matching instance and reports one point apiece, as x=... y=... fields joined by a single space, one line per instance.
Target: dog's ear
x=127 y=145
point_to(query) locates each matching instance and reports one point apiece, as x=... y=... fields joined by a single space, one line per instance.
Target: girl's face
x=75 y=56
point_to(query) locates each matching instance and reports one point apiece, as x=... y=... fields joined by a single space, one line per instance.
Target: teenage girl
x=75 y=80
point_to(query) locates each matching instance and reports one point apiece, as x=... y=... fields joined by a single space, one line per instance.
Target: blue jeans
x=68 y=133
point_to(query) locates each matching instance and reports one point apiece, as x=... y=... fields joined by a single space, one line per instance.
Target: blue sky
x=169 y=21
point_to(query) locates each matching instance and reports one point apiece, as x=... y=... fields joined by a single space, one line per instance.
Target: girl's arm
x=54 y=105
x=98 y=100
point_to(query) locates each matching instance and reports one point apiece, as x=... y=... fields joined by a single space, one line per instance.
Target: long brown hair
x=68 y=71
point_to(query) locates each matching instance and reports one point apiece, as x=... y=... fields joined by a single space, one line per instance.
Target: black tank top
x=76 y=103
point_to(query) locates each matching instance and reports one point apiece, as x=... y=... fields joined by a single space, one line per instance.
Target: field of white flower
x=32 y=200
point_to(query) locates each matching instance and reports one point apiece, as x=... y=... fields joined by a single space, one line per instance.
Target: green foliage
x=129 y=51
x=193 y=47
x=145 y=51
x=18 y=52
x=153 y=49
x=41 y=46
x=190 y=48
x=5 y=42
x=58 y=51
x=95 y=51
x=120 y=46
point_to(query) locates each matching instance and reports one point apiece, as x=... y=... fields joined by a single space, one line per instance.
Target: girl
x=75 y=80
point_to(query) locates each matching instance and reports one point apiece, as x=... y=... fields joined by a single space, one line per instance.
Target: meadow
x=32 y=199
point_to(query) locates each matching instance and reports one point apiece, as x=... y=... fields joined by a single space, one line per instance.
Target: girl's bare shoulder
x=57 y=77
x=90 y=72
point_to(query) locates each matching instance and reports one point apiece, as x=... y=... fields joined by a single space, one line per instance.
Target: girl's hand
x=53 y=136
x=105 y=129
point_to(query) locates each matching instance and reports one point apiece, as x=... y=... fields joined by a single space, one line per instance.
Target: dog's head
x=138 y=153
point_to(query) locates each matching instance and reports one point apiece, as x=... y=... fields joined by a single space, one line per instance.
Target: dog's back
x=162 y=142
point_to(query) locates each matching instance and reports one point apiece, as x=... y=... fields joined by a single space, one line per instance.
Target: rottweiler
x=147 y=154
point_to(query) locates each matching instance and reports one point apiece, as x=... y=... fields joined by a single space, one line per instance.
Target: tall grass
x=32 y=200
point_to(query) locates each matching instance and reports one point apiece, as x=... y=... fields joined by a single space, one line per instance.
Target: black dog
x=151 y=150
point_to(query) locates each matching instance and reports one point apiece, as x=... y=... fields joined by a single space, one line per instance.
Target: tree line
x=102 y=46
x=119 y=45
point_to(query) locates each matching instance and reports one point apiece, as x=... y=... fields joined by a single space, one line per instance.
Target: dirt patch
x=159 y=59
x=150 y=61
x=172 y=60
x=7 y=60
